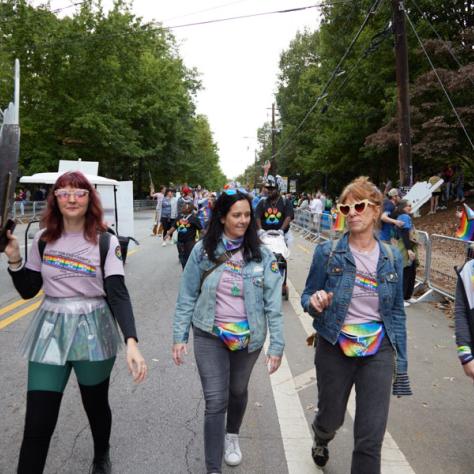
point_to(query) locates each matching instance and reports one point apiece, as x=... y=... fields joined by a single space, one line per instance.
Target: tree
x=107 y=88
x=352 y=130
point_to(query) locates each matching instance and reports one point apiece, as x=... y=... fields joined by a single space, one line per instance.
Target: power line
x=450 y=50
x=57 y=10
x=334 y=74
x=217 y=7
x=251 y=15
x=439 y=79
x=373 y=46
x=161 y=27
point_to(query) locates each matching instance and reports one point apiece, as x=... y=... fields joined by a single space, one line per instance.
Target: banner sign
x=9 y=155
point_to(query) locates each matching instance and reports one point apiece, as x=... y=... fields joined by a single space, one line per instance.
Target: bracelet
x=16 y=262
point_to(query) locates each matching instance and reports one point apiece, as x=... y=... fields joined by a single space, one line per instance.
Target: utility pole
x=273 y=162
x=255 y=172
x=403 y=102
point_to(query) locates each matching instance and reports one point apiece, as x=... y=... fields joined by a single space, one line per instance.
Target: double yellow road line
x=19 y=314
x=33 y=306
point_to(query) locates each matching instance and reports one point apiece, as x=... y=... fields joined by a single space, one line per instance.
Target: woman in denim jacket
x=354 y=292
x=230 y=291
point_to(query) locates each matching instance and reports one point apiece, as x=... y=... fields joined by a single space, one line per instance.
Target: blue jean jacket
x=338 y=276
x=262 y=299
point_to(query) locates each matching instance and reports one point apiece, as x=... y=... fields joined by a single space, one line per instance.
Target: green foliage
x=353 y=130
x=107 y=88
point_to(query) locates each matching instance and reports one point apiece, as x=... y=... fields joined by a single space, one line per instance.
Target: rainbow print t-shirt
x=364 y=306
x=71 y=265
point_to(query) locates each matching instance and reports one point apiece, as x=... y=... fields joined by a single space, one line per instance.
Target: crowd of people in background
x=220 y=241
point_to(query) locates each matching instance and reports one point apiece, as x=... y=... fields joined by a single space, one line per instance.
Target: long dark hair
x=251 y=244
x=53 y=220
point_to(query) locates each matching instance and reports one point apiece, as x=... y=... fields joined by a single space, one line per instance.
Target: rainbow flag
x=465 y=230
x=339 y=221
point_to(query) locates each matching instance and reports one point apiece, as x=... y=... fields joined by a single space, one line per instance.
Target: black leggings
x=42 y=410
x=409 y=279
x=184 y=251
x=167 y=223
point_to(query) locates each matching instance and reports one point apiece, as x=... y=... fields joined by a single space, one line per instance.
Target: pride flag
x=339 y=221
x=466 y=226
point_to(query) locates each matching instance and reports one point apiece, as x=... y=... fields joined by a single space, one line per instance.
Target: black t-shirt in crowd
x=272 y=215
x=187 y=226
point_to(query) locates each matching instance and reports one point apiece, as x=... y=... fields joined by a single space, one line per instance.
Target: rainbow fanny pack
x=235 y=336
x=361 y=340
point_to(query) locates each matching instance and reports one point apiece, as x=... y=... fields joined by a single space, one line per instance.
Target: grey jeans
x=372 y=377
x=225 y=377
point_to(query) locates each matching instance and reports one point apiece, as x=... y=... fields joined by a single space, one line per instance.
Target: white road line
x=294 y=428
x=393 y=460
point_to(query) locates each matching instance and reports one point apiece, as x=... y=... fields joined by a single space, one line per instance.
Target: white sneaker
x=232 y=453
x=406 y=304
x=164 y=243
x=412 y=300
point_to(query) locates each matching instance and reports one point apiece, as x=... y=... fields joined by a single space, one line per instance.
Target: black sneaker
x=320 y=453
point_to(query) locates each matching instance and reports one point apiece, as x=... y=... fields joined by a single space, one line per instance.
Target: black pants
x=184 y=251
x=372 y=376
x=409 y=278
x=167 y=223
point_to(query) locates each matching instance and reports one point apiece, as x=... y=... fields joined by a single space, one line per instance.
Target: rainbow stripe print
x=70 y=264
x=361 y=340
x=339 y=221
x=366 y=282
x=465 y=230
x=233 y=267
x=235 y=336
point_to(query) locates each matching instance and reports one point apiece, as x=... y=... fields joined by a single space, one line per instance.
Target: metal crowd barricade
x=327 y=226
x=424 y=267
x=313 y=226
x=144 y=204
x=26 y=211
x=446 y=253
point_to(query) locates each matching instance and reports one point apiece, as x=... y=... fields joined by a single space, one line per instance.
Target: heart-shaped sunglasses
x=359 y=207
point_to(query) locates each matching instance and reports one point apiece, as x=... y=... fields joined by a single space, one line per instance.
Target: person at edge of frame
x=73 y=329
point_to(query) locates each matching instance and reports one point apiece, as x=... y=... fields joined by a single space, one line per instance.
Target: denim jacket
x=262 y=299
x=338 y=276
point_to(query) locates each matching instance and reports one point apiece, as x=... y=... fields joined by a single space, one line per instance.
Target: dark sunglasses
x=359 y=207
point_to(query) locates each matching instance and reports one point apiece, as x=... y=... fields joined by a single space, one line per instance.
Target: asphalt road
x=157 y=426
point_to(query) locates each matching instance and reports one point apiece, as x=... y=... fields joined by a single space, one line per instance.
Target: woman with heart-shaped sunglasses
x=354 y=292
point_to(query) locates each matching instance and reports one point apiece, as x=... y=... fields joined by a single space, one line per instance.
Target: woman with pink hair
x=75 y=328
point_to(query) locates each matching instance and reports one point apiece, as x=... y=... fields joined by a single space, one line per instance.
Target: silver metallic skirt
x=67 y=329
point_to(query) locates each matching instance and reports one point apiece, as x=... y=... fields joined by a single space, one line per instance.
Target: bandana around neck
x=232 y=244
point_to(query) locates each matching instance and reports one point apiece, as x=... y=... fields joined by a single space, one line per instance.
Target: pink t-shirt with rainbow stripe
x=364 y=305
x=71 y=265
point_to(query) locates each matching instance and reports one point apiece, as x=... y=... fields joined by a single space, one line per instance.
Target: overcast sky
x=238 y=62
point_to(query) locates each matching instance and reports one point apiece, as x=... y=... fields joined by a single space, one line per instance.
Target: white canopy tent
x=97 y=181
x=51 y=178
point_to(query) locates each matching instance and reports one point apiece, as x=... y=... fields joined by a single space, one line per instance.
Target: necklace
x=366 y=250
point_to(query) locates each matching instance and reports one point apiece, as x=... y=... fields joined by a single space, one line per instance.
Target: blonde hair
x=362 y=188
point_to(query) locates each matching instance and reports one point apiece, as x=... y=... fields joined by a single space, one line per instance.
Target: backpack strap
x=331 y=254
x=104 y=245
x=220 y=260
x=41 y=247
x=388 y=249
